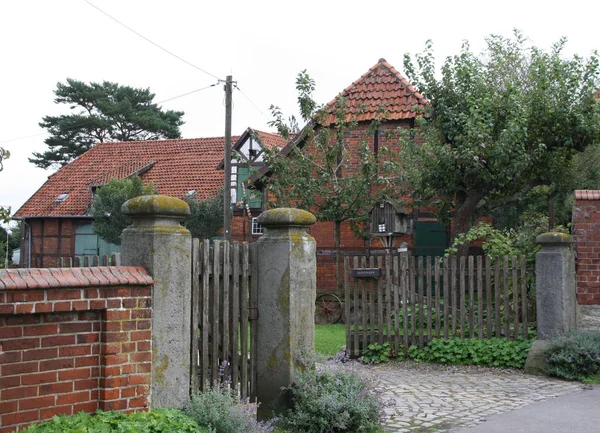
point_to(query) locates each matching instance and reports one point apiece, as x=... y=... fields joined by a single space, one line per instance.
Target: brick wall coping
x=24 y=279
x=587 y=194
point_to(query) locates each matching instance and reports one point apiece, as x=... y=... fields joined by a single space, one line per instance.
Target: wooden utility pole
x=227 y=161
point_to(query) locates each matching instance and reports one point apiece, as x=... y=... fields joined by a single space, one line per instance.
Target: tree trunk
x=339 y=272
x=466 y=205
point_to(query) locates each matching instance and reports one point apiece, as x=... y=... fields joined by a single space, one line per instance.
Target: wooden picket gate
x=224 y=310
x=417 y=299
x=89 y=261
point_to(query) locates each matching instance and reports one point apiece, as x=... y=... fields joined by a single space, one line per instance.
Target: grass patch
x=329 y=338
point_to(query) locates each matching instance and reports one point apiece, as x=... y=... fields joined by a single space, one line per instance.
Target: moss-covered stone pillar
x=287 y=289
x=157 y=241
x=555 y=295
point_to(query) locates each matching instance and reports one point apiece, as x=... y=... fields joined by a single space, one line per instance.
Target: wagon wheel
x=328 y=309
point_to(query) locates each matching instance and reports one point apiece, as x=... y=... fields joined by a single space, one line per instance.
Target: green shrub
x=155 y=421
x=376 y=353
x=329 y=400
x=495 y=352
x=575 y=356
x=224 y=412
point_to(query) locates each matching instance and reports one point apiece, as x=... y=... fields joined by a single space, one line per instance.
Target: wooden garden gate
x=224 y=313
x=407 y=300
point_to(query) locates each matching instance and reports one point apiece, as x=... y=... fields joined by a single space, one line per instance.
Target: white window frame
x=257 y=229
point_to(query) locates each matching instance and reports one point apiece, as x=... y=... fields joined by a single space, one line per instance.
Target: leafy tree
x=499 y=124
x=206 y=218
x=4 y=154
x=14 y=241
x=315 y=174
x=4 y=217
x=4 y=211
x=102 y=112
x=109 y=222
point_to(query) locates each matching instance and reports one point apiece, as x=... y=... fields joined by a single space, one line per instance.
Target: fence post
x=286 y=298
x=157 y=241
x=555 y=295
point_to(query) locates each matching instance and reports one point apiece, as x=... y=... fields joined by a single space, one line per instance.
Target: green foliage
x=109 y=222
x=594 y=379
x=155 y=421
x=327 y=400
x=102 y=112
x=4 y=211
x=14 y=242
x=376 y=353
x=206 y=217
x=498 y=243
x=494 y=352
x=223 y=412
x=4 y=154
x=500 y=124
x=315 y=176
x=575 y=356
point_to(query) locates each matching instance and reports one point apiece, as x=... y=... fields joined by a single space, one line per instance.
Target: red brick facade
x=50 y=239
x=586 y=237
x=73 y=340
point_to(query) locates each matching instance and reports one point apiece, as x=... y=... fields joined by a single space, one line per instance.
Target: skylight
x=61 y=198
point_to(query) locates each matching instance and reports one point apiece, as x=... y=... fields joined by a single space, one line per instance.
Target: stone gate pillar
x=286 y=301
x=555 y=295
x=157 y=241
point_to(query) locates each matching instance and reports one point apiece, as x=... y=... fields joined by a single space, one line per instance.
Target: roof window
x=61 y=198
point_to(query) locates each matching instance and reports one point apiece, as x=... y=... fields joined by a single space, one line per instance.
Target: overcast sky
x=263 y=44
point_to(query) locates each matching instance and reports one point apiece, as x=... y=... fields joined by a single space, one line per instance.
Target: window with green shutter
x=253 y=198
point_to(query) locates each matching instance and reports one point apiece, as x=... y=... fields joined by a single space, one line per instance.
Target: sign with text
x=367 y=273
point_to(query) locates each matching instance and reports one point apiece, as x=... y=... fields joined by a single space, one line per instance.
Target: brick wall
x=586 y=238
x=76 y=339
x=51 y=238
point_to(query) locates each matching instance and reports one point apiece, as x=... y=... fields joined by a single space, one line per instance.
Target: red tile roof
x=381 y=90
x=271 y=141
x=174 y=166
x=587 y=194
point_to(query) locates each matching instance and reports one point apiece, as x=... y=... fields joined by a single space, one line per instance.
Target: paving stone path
x=428 y=398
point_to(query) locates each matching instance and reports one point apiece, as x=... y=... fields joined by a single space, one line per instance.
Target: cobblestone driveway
x=430 y=398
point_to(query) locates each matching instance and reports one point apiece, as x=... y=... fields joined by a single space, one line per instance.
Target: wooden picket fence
x=224 y=310
x=89 y=261
x=418 y=299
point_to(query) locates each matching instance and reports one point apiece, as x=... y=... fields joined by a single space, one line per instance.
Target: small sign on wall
x=367 y=272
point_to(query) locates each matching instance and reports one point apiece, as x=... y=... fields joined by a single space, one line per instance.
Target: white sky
x=263 y=44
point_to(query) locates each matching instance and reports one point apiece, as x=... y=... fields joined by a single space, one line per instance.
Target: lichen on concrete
x=155 y=205
x=286 y=217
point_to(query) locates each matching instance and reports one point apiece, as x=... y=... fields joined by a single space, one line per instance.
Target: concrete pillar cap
x=285 y=217
x=155 y=205
x=554 y=238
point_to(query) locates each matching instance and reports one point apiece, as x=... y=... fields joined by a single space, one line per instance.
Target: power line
x=92 y=121
x=188 y=93
x=150 y=41
x=23 y=138
x=252 y=102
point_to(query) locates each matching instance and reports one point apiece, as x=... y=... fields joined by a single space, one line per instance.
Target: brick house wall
x=71 y=340
x=586 y=238
x=49 y=239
